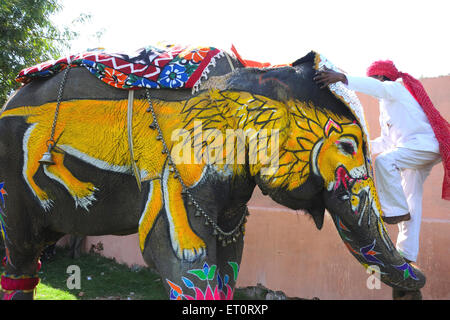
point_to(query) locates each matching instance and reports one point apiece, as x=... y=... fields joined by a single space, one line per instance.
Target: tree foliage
x=27 y=37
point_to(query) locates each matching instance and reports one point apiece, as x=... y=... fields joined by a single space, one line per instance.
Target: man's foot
x=397 y=219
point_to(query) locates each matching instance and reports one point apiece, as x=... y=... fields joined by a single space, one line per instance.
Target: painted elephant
x=199 y=158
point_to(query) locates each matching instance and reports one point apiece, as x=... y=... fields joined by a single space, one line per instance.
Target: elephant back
x=171 y=72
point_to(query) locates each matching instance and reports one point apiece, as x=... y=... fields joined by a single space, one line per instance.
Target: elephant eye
x=347 y=146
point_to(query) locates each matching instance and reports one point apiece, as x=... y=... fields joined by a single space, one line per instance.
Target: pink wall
x=293 y=256
x=284 y=250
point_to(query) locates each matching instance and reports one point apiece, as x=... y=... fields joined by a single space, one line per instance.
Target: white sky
x=350 y=33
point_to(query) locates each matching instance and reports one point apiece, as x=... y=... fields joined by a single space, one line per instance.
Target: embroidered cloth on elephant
x=167 y=66
x=350 y=99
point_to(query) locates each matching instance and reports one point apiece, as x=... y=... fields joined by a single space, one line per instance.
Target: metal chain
x=224 y=236
x=58 y=103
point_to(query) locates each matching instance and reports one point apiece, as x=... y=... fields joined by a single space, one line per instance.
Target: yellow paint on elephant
x=368 y=186
x=332 y=155
x=187 y=244
x=300 y=125
x=314 y=144
x=95 y=132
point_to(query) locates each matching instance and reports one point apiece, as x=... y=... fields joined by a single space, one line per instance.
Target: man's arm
x=367 y=85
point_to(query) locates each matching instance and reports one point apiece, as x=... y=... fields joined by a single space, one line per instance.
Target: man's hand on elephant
x=327 y=76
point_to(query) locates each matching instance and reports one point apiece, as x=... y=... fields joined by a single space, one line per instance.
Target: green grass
x=46 y=292
x=101 y=278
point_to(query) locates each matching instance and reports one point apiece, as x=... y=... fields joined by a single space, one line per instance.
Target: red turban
x=383 y=68
x=440 y=126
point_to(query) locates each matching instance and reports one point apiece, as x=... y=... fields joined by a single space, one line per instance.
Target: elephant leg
x=75 y=246
x=22 y=262
x=186 y=244
x=152 y=208
x=82 y=192
x=205 y=281
x=20 y=278
x=211 y=277
x=25 y=237
x=18 y=285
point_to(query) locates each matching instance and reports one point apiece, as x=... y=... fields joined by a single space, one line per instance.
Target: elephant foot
x=18 y=288
x=17 y=295
x=398 y=294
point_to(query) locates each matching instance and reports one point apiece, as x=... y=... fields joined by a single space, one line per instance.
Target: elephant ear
x=317 y=212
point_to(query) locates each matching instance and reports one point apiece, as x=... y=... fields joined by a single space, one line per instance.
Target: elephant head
x=324 y=163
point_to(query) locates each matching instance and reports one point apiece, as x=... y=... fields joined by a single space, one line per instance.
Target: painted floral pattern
x=369 y=253
x=407 y=271
x=3 y=193
x=221 y=291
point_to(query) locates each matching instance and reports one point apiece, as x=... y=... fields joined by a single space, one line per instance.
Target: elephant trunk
x=354 y=207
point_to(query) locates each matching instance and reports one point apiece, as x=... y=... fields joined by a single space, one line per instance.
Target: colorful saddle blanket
x=169 y=66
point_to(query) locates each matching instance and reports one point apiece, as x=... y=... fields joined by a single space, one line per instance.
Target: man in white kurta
x=407 y=148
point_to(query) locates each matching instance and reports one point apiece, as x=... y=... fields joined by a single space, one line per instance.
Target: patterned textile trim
x=23 y=283
x=170 y=66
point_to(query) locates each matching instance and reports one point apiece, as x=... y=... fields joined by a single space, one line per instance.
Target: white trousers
x=400 y=175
